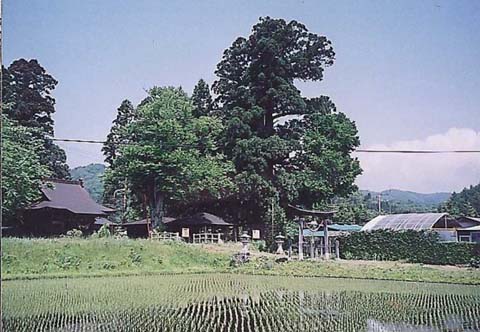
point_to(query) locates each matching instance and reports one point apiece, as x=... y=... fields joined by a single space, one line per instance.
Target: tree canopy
x=464 y=203
x=22 y=169
x=202 y=99
x=27 y=92
x=172 y=156
x=117 y=135
x=287 y=149
x=27 y=89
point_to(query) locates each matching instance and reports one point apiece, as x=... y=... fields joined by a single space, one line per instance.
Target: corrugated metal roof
x=474 y=228
x=345 y=228
x=71 y=196
x=413 y=221
x=472 y=218
x=336 y=228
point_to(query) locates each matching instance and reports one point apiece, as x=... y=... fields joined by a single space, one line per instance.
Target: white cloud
x=424 y=172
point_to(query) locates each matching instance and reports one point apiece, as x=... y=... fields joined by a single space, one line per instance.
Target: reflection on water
x=376 y=326
x=449 y=325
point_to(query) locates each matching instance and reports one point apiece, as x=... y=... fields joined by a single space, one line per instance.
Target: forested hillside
x=400 y=201
x=466 y=202
x=92 y=179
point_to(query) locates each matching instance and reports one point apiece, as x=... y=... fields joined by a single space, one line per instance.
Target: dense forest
x=464 y=203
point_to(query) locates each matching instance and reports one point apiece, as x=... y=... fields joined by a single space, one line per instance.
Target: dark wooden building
x=469 y=230
x=200 y=223
x=65 y=205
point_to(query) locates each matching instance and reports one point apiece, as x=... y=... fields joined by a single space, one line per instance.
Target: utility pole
x=379 y=202
x=273 y=220
x=116 y=201
x=124 y=198
x=300 y=239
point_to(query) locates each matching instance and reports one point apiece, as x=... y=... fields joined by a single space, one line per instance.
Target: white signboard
x=256 y=234
x=185 y=232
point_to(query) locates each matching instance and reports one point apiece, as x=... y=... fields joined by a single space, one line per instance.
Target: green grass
x=33 y=258
x=365 y=270
x=66 y=257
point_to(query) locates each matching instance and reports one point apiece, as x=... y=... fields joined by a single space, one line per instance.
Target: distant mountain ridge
x=404 y=196
x=92 y=179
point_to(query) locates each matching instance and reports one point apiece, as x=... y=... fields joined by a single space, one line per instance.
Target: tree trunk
x=156 y=206
x=270 y=131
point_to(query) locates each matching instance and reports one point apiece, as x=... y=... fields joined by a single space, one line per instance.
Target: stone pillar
x=337 y=249
x=300 y=240
x=326 y=243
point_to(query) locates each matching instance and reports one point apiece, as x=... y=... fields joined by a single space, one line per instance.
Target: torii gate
x=324 y=217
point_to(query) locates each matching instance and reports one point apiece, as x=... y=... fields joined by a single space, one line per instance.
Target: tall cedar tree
x=27 y=92
x=172 y=157
x=117 y=135
x=287 y=149
x=202 y=99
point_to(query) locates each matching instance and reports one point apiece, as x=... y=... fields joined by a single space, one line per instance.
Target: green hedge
x=410 y=246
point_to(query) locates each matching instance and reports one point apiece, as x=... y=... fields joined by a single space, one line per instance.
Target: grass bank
x=378 y=270
x=65 y=257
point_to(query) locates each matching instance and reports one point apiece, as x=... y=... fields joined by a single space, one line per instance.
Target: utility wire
x=416 y=151
x=69 y=140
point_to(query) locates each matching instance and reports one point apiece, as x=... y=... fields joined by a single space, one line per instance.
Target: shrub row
x=411 y=246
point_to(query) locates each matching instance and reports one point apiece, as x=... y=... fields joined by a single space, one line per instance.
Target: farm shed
x=465 y=222
x=469 y=234
x=200 y=223
x=65 y=205
x=140 y=228
x=101 y=221
x=441 y=223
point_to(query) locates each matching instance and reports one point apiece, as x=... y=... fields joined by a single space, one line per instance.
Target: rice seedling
x=228 y=302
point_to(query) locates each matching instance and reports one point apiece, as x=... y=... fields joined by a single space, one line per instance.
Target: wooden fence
x=165 y=236
x=207 y=238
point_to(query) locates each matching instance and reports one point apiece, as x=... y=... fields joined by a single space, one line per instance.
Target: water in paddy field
x=226 y=302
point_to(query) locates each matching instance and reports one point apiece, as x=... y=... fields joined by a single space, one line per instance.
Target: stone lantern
x=245 y=240
x=280 y=240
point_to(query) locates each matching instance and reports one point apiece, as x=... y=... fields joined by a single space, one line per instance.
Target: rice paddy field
x=233 y=302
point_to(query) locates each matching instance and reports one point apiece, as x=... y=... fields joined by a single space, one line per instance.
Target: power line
x=69 y=140
x=417 y=151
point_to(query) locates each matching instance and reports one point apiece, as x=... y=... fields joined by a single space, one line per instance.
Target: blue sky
x=408 y=72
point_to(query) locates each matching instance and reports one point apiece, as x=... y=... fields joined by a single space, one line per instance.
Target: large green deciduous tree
x=287 y=149
x=27 y=91
x=172 y=156
x=22 y=169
